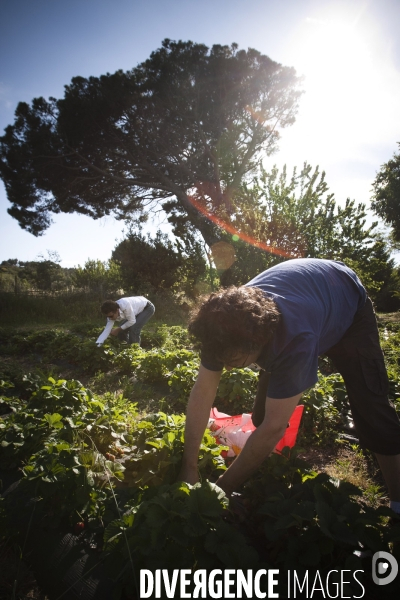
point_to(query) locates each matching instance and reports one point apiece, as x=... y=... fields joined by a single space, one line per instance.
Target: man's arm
x=260 y=443
x=105 y=333
x=197 y=415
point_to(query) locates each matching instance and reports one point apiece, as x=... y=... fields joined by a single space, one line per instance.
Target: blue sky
x=349 y=53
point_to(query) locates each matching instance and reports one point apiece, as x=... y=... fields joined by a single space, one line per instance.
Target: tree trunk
x=207 y=229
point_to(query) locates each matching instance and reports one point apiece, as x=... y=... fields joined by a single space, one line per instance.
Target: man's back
x=317 y=300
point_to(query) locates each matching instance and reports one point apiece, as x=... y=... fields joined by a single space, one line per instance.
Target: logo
x=384 y=568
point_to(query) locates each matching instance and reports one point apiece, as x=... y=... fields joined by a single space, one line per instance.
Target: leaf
x=348 y=489
x=343 y=533
x=230 y=546
x=326 y=545
x=305 y=510
x=206 y=500
x=326 y=517
x=54 y=420
x=310 y=556
x=87 y=459
x=370 y=537
x=286 y=521
x=63 y=446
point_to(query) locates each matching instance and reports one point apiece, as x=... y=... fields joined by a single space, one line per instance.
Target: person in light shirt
x=132 y=312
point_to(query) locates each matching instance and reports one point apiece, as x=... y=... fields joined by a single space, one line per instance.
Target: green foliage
x=326 y=410
x=58 y=345
x=23 y=310
x=176 y=337
x=157 y=364
x=386 y=188
x=177 y=526
x=152 y=337
x=182 y=379
x=307 y=520
x=99 y=276
x=73 y=448
x=297 y=217
x=237 y=390
x=44 y=275
x=181 y=117
x=85 y=459
x=390 y=340
x=58 y=435
x=156 y=451
x=148 y=263
x=61 y=404
x=377 y=271
x=128 y=359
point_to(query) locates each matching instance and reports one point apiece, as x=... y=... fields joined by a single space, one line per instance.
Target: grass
x=352 y=465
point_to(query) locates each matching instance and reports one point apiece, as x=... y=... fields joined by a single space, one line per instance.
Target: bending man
x=283 y=320
x=133 y=312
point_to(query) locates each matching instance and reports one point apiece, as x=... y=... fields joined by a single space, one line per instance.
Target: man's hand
x=115 y=331
x=260 y=443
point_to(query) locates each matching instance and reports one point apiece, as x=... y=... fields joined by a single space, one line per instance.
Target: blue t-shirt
x=317 y=300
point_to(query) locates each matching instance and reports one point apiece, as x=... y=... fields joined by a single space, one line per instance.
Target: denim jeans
x=132 y=334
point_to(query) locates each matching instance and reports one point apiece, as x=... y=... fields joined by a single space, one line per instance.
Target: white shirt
x=128 y=309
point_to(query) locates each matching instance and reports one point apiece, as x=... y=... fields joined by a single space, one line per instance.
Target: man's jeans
x=132 y=334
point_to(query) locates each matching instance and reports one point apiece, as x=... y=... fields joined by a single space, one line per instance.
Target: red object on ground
x=79 y=527
x=222 y=420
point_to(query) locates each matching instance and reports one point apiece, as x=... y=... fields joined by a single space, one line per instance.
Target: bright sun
x=348 y=84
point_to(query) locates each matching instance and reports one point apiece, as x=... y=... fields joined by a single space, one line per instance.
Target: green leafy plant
x=237 y=390
x=182 y=379
x=176 y=526
x=326 y=411
x=156 y=365
x=303 y=520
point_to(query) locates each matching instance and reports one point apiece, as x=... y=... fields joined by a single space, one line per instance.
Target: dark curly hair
x=109 y=306
x=236 y=320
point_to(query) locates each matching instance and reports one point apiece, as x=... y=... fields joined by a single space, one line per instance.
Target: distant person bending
x=133 y=312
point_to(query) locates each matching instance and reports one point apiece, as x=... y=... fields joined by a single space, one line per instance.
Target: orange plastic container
x=233 y=431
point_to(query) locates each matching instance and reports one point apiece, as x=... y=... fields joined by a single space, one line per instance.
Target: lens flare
x=236 y=234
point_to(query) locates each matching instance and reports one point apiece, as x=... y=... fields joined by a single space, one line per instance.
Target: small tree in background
x=103 y=277
x=158 y=263
x=386 y=194
x=298 y=217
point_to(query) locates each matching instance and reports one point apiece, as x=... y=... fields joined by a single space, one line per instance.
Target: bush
x=154 y=337
x=128 y=360
x=237 y=390
x=156 y=365
x=182 y=379
x=326 y=411
x=71 y=444
x=22 y=309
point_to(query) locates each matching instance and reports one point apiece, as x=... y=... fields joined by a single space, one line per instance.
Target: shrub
x=156 y=365
x=182 y=379
x=237 y=390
